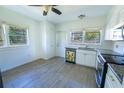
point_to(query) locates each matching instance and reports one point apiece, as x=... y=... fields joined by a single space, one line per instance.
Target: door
x=61 y=41
x=51 y=41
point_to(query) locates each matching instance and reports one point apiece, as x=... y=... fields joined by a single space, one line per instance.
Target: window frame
x=76 y=31
x=93 y=42
x=6 y=36
x=84 y=34
x=3 y=35
x=15 y=45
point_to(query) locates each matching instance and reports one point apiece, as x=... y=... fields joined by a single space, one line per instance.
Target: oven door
x=99 y=70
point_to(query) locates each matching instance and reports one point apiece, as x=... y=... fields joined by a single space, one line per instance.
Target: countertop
x=109 y=52
x=102 y=51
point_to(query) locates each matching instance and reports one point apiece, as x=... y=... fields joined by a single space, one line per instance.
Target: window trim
x=94 y=42
x=6 y=36
x=70 y=35
x=3 y=36
x=83 y=41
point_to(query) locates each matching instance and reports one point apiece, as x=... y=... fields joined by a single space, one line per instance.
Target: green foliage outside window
x=92 y=37
x=17 y=35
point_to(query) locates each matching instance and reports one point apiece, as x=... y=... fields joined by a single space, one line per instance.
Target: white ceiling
x=69 y=12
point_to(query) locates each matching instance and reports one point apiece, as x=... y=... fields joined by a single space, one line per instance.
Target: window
x=92 y=37
x=76 y=37
x=88 y=36
x=17 y=36
x=13 y=36
x=1 y=36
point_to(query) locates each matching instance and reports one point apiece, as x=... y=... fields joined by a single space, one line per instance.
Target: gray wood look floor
x=53 y=73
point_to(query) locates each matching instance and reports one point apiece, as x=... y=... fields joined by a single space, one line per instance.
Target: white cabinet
x=90 y=60
x=116 y=16
x=80 y=57
x=107 y=83
x=111 y=80
x=86 y=58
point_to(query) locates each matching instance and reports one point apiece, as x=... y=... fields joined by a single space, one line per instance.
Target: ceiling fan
x=46 y=8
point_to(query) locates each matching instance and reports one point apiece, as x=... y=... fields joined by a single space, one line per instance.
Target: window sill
x=14 y=46
x=97 y=44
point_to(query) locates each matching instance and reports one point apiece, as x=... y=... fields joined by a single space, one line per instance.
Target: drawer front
x=113 y=79
x=86 y=52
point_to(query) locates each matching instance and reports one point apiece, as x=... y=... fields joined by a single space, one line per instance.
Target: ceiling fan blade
x=44 y=13
x=56 y=11
x=36 y=5
x=54 y=5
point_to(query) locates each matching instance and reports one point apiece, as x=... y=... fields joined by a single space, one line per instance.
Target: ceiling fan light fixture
x=46 y=8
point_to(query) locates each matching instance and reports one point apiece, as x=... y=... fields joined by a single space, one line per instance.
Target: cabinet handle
x=112 y=78
x=122 y=32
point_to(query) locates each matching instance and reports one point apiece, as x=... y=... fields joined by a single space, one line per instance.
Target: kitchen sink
x=88 y=49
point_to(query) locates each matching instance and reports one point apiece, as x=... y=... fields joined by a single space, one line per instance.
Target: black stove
x=104 y=58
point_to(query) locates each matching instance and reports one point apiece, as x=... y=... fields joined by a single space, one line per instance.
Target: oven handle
x=122 y=32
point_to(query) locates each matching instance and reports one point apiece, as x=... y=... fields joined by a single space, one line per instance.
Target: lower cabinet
x=86 y=58
x=111 y=80
x=107 y=83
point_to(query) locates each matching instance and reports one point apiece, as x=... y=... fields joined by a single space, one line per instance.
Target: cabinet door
x=50 y=41
x=111 y=80
x=90 y=60
x=80 y=58
x=86 y=58
x=107 y=83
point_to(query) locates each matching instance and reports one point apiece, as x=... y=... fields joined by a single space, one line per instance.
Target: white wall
x=65 y=28
x=47 y=40
x=115 y=16
x=80 y=24
x=12 y=57
x=118 y=46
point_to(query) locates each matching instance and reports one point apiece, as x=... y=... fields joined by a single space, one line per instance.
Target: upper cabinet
x=114 y=25
x=118 y=32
